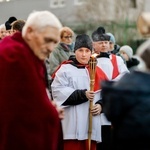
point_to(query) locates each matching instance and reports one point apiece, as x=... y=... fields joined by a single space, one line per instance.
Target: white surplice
x=75 y=124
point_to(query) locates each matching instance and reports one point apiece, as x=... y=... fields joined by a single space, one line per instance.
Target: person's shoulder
x=9 y=45
x=12 y=48
x=56 y=51
x=64 y=70
x=119 y=85
x=66 y=67
x=58 y=47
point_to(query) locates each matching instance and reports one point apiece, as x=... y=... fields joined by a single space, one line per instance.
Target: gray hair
x=41 y=19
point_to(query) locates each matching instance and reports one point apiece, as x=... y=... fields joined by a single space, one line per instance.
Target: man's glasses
x=68 y=37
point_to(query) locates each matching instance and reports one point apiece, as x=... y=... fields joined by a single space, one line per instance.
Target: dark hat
x=101 y=30
x=95 y=35
x=83 y=40
x=9 y=21
x=12 y=19
x=100 y=37
x=7 y=25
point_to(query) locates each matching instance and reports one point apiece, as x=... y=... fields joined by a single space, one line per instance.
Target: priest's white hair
x=41 y=19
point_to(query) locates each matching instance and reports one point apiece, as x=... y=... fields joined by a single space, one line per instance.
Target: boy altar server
x=71 y=90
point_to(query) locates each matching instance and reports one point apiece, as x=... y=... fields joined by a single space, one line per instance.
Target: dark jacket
x=132 y=63
x=126 y=104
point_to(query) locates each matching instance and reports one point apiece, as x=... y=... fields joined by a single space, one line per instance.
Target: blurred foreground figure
x=28 y=119
x=126 y=104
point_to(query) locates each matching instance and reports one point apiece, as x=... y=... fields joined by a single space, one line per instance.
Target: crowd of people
x=45 y=92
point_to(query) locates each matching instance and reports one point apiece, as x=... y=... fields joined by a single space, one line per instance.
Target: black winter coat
x=126 y=104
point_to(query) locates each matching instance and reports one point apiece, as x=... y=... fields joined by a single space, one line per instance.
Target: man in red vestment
x=28 y=119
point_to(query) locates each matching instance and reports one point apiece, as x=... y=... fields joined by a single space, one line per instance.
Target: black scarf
x=103 y=54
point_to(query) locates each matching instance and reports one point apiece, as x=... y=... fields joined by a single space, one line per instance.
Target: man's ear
x=29 y=33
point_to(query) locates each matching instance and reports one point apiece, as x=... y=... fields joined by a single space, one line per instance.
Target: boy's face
x=83 y=55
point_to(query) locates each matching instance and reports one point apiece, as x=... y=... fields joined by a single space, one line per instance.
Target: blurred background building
x=83 y=16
